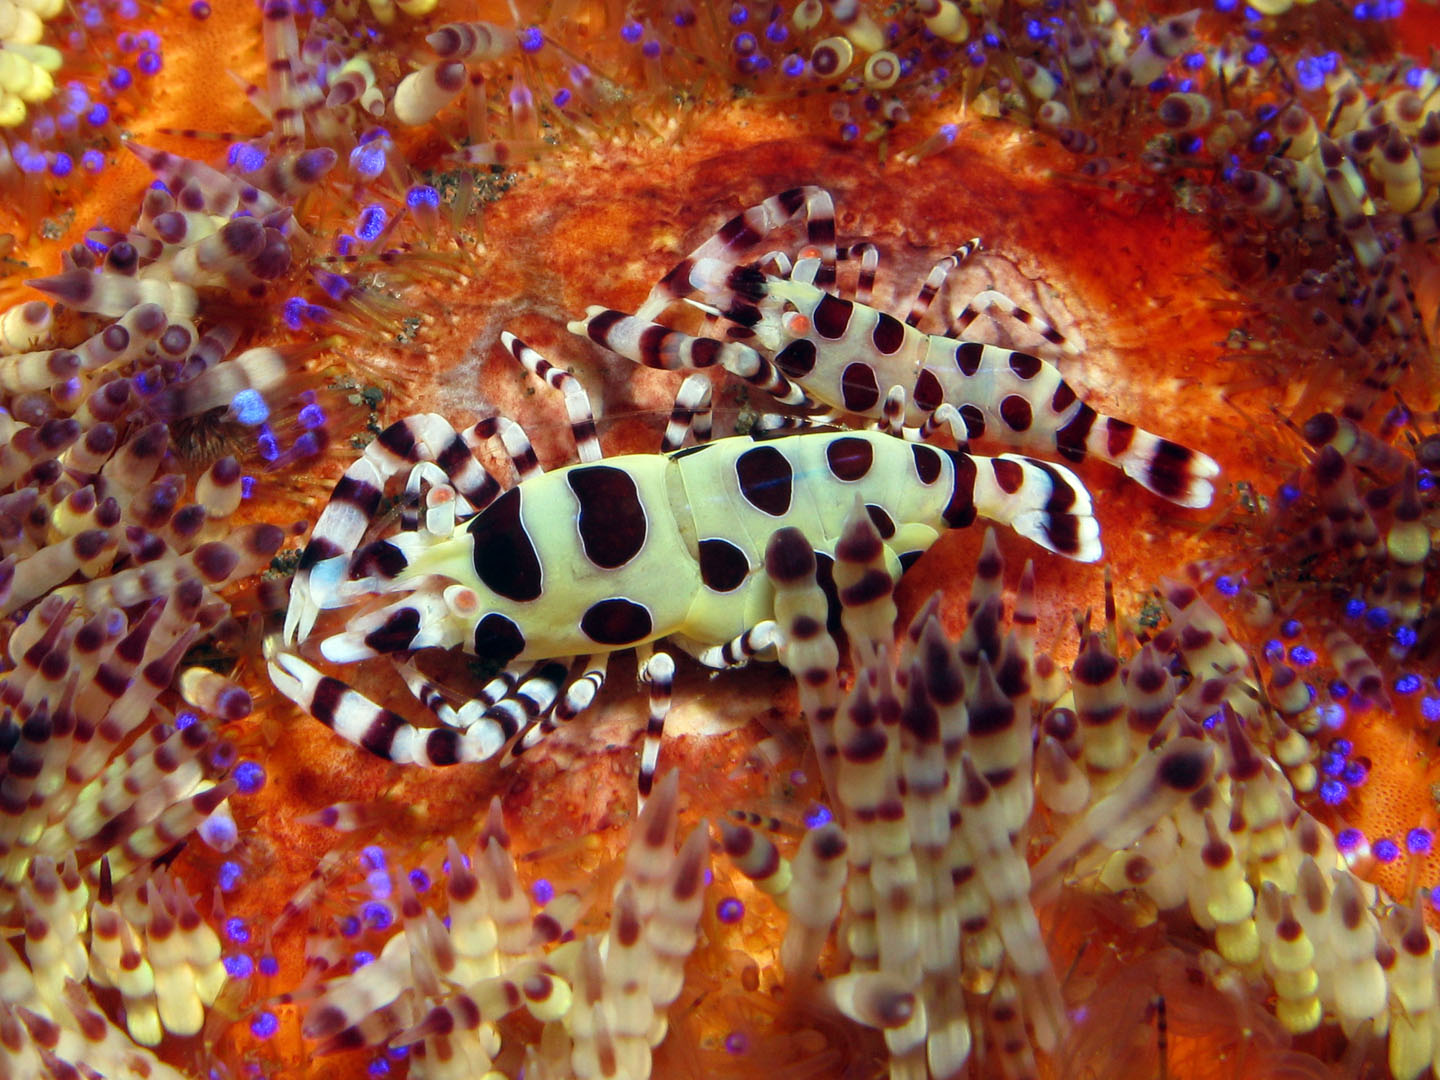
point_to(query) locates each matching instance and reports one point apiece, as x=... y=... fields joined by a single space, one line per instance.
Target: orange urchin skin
x=199 y=53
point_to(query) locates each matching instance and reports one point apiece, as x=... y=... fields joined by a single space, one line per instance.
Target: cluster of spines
x=929 y=763
x=80 y=689
x=144 y=939
x=1161 y=777
x=441 y=989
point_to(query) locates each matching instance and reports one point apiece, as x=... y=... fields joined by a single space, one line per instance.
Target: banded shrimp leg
x=752 y=298
x=330 y=577
x=525 y=701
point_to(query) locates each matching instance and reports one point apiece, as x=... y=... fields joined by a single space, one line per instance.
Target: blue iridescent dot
x=249 y=777
x=249 y=407
x=269 y=966
x=631 y=32
x=531 y=39
x=150 y=62
x=730 y=910
x=378 y=1067
x=1290 y=628
x=1348 y=840
x=1343 y=747
x=849 y=132
x=267 y=446
x=1332 y=764
x=92 y=161
x=1226 y=6
x=1419 y=841
x=129 y=9
x=379 y=884
x=1430 y=709
x=185 y=719
x=1378 y=618
x=745 y=43
x=1408 y=683
x=147 y=382
x=120 y=78
x=360 y=959
x=543 y=891
x=1257 y=54
x=1354 y=607
x=1354 y=773
x=293 y=312
x=1226 y=585
x=1211 y=722
x=236 y=930
x=336 y=286
x=1274 y=649
x=62 y=165
x=264 y=1026
x=312 y=416
x=792 y=65
x=651 y=49
x=1333 y=792
x=561 y=98
x=1331 y=714
x=229 y=876
x=368 y=161
x=818 y=815
x=776 y=32
x=349 y=926
x=377 y=915
x=238 y=966
x=1385 y=849
x=316 y=313
x=1415 y=78
x=1302 y=655
x=147 y=39
x=372 y=857
x=371 y=222
x=247 y=486
x=739 y=14
x=419 y=880
x=1405 y=636
x=31 y=162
